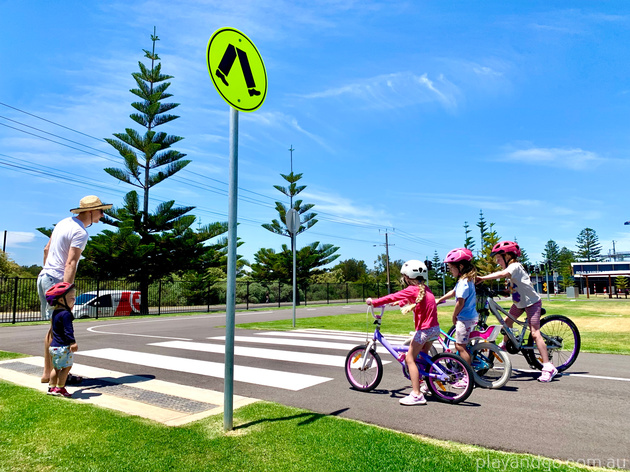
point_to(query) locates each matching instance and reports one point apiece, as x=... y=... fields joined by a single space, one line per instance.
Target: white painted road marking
x=569 y=374
x=252 y=375
x=272 y=354
x=295 y=342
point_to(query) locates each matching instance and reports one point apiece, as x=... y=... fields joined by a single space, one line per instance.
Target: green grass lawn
x=42 y=433
x=4 y=355
x=604 y=324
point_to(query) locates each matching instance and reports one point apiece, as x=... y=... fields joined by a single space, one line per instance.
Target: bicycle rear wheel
x=459 y=381
x=364 y=378
x=563 y=342
x=492 y=367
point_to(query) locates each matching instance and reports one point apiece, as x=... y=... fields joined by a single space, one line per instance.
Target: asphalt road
x=581 y=417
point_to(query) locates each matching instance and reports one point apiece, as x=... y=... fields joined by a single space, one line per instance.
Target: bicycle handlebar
x=371 y=310
x=485 y=291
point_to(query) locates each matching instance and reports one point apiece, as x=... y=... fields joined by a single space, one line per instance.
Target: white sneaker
x=412 y=399
x=548 y=374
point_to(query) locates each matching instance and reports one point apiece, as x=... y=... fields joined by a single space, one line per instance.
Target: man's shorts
x=62 y=357
x=44 y=282
x=463 y=330
x=424 y=335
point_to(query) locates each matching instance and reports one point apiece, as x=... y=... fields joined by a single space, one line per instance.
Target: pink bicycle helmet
x=504 y=247
x=458 y=255
x=58 y=290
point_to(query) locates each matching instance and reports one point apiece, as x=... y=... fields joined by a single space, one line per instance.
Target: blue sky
x=406 y=116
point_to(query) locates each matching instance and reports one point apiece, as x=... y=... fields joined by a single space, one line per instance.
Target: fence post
x=305 y=297
x=347 y=296
x=378 y=291
x=363 y=291
x=208 y=298
x=327 y=294
x=159 y=297
x=15 y=292
x=97 y=295
x=279 y=294
x=247 y=306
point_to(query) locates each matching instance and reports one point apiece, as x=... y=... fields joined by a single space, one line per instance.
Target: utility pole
x=389 y=288
x=4 y=244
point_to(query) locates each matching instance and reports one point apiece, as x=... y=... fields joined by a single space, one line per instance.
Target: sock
x=548 y=366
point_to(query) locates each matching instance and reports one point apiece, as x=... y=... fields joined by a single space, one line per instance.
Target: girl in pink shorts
x=524 y=296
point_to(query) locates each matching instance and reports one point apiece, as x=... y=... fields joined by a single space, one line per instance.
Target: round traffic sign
x=237 y=69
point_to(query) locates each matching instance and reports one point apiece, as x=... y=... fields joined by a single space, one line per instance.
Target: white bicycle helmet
x=414 y=269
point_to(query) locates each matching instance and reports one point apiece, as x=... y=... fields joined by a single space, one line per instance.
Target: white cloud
x=17 y=238
x=395 y=90
x=574 y=159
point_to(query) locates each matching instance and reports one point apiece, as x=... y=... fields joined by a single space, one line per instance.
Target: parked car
x=107 y=303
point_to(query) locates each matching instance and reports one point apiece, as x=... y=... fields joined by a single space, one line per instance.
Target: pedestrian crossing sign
x=236 y=69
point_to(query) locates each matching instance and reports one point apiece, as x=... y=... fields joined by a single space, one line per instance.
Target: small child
x=61 y=297
x=419 y=298
x=465 y=314
x=525 y=298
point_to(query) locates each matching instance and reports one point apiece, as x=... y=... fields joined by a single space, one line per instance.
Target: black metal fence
x=19 y=301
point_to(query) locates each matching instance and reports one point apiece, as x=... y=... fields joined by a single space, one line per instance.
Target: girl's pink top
x=424 y=313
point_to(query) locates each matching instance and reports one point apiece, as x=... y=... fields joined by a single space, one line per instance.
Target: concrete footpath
x=168 y=403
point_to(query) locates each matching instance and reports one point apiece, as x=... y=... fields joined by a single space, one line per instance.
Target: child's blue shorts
x=62 y=357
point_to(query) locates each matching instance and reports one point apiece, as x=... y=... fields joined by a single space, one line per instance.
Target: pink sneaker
x=52 y=391
x=547 y=375
x=62 y=392
x=461 y=384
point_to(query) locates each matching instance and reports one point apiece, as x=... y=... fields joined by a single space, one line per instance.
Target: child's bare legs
x=48 y=370
x=410 y=359
x=58 y=377
x=463 y=352
x=540 y=343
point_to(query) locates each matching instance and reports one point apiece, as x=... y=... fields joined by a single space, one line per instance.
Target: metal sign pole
x=230 y=309
x=293 y=238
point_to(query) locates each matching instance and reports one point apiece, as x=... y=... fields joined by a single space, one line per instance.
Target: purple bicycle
x=364 y=368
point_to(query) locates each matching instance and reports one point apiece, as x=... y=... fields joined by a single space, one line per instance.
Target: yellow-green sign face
x=237 y=69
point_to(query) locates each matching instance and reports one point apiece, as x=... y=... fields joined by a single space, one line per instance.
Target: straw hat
x=91 y=202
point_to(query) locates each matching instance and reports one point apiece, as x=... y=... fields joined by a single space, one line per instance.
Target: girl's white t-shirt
x=520 y=285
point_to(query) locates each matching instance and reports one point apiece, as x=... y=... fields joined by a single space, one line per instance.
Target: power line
x=325 y=216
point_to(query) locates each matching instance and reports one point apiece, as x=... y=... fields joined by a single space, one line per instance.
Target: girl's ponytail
x=422 y=290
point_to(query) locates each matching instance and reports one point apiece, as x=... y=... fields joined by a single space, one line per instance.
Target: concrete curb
x=168 y=403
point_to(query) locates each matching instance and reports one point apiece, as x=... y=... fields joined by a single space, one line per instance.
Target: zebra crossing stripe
x=296 y=342
x=349 y=336
x=252 y=375
x=271 y=354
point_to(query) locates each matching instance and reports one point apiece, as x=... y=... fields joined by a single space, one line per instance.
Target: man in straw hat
x=61 y=257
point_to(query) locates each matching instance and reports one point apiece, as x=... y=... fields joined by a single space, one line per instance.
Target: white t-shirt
x=68 y=233
x=520 y=285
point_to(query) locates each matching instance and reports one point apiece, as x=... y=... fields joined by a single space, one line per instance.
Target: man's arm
x=46 y=249
x=71 y=264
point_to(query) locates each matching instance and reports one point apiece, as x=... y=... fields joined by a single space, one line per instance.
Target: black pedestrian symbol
x=226 y=65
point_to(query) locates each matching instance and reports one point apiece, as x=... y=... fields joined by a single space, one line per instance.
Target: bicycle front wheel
x=364 y=369
x=562 y=339
x=492 y=367
x=454 y=379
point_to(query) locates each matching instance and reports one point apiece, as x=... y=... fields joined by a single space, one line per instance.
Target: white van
x=108 y=302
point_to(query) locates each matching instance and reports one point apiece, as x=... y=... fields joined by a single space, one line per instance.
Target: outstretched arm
x=495 y=275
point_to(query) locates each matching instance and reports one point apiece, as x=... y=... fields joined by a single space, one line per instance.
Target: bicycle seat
x=489 y=334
